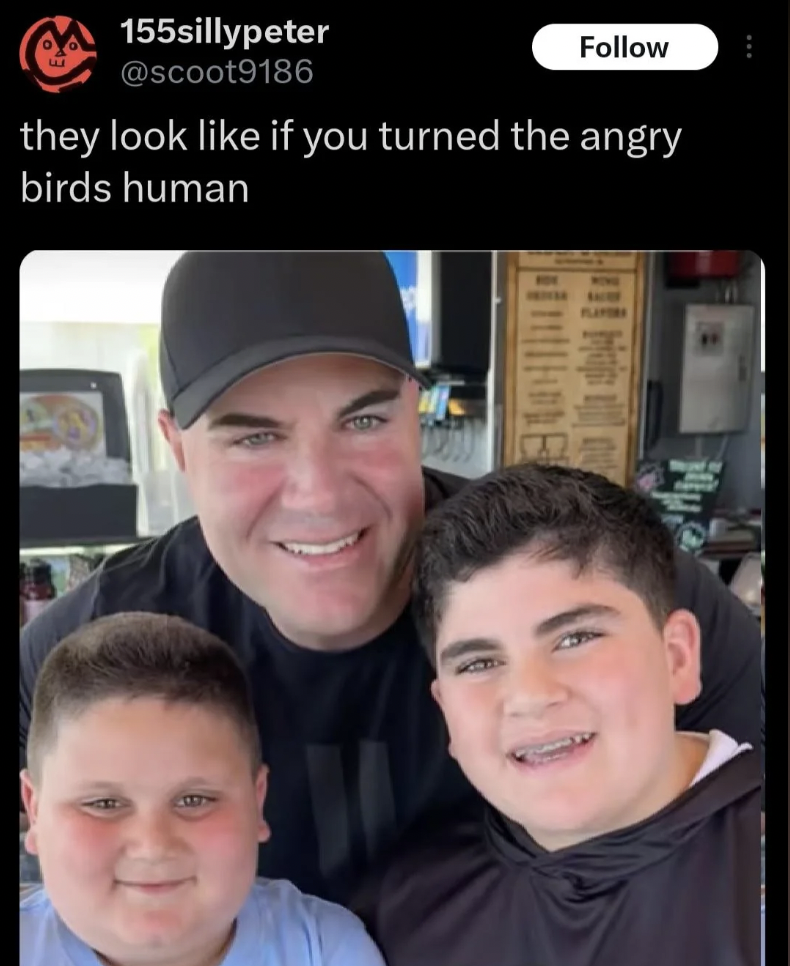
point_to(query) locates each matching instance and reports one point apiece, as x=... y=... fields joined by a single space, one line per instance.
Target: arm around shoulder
x=730 y=655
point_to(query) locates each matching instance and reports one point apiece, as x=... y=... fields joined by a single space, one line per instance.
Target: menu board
x=685 y=493
x=594 y=260
x=574 y=343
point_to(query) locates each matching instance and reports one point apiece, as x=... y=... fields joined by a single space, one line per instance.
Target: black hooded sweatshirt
x=679 y=889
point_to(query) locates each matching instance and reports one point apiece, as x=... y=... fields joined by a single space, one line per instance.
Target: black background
x=411 y=67
x=459 y=66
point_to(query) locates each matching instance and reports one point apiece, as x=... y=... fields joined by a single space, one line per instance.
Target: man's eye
x=256 y=440
x=366 y=423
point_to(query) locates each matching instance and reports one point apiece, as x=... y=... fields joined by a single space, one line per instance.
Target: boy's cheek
x=73 y=837
x=222 y=834
x=76 y=837
x=471 y=721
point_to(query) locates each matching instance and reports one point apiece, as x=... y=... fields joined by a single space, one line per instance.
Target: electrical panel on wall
x=717 y=363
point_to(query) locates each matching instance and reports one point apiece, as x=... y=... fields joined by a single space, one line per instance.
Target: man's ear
x=30 y=801
x=682 y=638
x=172 y=434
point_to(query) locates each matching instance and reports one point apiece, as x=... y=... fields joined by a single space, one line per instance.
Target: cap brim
x=195 y=399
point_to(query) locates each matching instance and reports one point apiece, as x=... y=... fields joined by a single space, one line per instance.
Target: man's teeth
x=531 y=751
x=317 y=549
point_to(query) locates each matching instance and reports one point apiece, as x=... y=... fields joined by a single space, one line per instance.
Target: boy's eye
x=575 y=638
x=103 y=804
x=194 y=801
x=479 y=664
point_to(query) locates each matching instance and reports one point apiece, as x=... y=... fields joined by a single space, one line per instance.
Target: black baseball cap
x=227 y=314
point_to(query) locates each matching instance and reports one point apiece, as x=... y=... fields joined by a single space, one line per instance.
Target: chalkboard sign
x=685 y=493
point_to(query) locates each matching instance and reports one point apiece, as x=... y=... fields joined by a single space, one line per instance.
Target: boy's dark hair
x=138 y=655
x=552 y=513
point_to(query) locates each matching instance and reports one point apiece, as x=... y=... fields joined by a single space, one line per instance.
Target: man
x=293 y=413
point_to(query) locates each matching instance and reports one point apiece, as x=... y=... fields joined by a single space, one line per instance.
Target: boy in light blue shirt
x=145 y=792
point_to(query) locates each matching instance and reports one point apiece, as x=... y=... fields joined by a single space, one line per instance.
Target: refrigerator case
x=76 y=413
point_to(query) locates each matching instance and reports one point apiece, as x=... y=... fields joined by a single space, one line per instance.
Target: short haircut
x=550 y=513
x=138 y=655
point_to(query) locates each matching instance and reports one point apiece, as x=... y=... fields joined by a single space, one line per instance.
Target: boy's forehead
x=532 y=570
x=124 y=726
x=526 y=590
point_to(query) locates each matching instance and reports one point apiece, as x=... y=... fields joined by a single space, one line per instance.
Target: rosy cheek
x=385 y=478
x=250 y=477
x=471 y=710
x=608 y=680
x=86 y=840
x=383 y=456
x=218 y=834
x=249 y=483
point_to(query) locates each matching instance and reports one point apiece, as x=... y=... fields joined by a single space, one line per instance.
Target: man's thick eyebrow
x=466 y=646
x=573 y=616
x=373 y=398
x=252 y=421
x=243 y=421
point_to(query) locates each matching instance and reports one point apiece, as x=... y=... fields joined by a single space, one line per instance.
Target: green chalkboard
x=685 y=492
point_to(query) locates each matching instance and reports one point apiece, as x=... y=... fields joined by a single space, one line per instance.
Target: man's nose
x=313 y=477
x=532 y=686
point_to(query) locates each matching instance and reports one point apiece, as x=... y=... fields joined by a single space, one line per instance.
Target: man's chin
x=338 y=625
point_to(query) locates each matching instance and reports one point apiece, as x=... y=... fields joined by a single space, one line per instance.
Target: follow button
x=625 y=46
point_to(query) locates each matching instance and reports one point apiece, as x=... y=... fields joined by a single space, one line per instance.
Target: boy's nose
x=151 y=837
x=531 y=687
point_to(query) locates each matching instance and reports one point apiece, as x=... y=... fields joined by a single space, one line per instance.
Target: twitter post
x=387 y=606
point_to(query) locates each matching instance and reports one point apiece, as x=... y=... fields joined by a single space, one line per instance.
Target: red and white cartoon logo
x=57 y=54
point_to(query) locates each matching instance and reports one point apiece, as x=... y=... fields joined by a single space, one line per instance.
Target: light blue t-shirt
x=277 y=926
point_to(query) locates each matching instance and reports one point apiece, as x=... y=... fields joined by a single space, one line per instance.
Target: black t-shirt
x=681 y=887
x=356 y=744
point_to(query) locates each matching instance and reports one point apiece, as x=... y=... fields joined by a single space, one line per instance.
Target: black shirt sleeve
x=730 y=656
x=37 y=639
